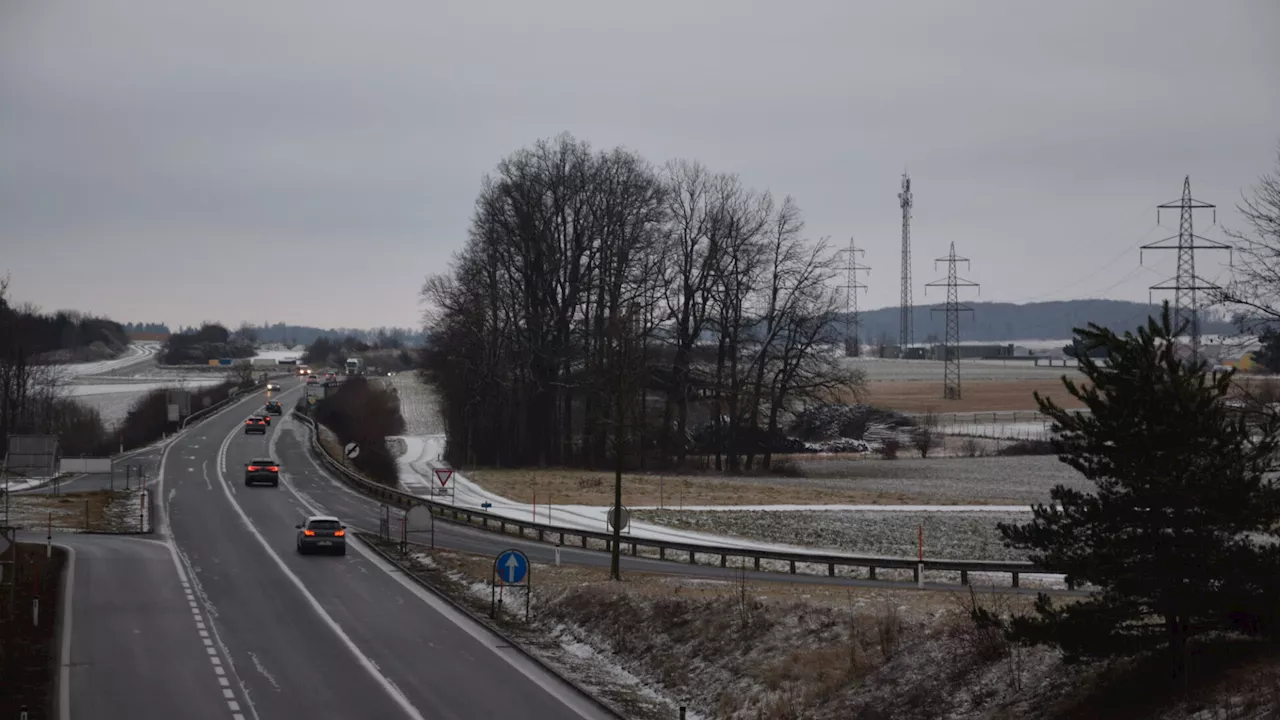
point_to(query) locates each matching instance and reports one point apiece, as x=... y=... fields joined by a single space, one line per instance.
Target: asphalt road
x=328 y=636
x=133 y=647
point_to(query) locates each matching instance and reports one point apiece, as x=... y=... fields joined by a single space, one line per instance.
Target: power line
x=1185 y=283
x=953 y=308
x=852 y=324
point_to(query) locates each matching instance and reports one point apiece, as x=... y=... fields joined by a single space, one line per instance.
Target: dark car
x=273 y=408
x=266 y=472
x=265 y=416
x=255 y=424
x=324 y=533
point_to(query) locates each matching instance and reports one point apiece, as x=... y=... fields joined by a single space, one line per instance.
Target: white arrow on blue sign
x=512 y=567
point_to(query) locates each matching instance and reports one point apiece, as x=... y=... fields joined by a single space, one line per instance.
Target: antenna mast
x=906 y=335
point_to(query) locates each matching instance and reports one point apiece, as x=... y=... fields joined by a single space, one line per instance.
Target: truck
x=355 y=366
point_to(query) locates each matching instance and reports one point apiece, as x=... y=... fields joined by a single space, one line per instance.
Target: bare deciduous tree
x=1255 y=285
x=723 y=307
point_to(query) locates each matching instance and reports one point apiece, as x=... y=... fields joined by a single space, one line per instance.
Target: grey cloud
x=303 y=140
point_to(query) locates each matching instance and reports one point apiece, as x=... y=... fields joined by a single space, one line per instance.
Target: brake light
x=273 y=468
x=339 y=533
x=248 y=422
x=253 y=468
x=308 y=533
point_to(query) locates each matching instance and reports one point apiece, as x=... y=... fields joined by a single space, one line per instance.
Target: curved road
x=220 y=618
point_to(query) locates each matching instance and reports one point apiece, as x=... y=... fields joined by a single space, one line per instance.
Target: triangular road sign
x=443 y=475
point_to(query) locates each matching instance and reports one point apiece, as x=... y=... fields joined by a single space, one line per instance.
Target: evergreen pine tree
x=1178 y=537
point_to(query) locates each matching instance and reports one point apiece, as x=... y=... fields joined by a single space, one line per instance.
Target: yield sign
x=443 y=475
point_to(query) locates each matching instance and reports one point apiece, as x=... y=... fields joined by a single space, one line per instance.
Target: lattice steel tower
x=953 y=308
x=852 y=326
x=906 y=334
x=1185 y=283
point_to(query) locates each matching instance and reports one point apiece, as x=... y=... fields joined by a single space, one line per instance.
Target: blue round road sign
x=511 y=567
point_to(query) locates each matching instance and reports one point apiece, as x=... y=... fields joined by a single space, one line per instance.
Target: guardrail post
x=540 y=538
x=561 y=538
x=662 y=553
x=964 y=577
x=584 y=542
x=871 y=572
x=633 y=549
x=724 y=559
x=693 y=560
x=757 y=563
x=831 y=569
x=793 y=567
x=919 y=573
x=1015 y=579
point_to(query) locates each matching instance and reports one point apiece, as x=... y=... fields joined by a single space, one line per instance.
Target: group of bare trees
x=603 y=306
x=31 y=401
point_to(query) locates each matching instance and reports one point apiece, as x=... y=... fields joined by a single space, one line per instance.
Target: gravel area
x=947 y=535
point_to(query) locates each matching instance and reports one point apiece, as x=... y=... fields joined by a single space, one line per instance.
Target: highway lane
x=145 y=459
x=133 y=647
x=335 y=636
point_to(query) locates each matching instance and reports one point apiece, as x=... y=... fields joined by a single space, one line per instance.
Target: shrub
x=1027 y=447
x=364 y=414
x=148 y=419
x=889 y=449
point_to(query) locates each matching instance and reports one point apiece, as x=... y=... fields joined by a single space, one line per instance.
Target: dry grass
x=73 y=511
x=977 y=396
x=565 y=486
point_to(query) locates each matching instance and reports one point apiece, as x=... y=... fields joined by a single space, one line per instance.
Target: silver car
x=323 y=533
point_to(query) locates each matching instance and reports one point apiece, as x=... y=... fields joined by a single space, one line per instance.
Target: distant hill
x=998 y=322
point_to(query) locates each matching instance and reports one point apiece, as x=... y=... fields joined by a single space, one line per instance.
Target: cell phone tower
x=906 y=334
x=1186 y=312
x=953 y=308
x=852 y=324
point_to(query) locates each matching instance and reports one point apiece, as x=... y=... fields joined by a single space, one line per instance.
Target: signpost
x=510 y=568
x=444 y=486
x=419 y=519
x=352 y=450
x=624 y=516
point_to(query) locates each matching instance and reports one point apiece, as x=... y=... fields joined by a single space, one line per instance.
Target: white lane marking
x=187 y=580
x=204 y=468
x=571 y=699
x=391 y=690
x=64 y=661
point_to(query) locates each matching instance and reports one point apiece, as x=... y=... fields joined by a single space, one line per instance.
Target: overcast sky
x=311 y=162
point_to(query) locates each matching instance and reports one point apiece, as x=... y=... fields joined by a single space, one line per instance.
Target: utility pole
x=906 y=333
x=1186 y=312
x=953 y=308
x=852 y=329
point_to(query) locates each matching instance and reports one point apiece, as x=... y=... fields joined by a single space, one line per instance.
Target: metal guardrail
x=664 y=548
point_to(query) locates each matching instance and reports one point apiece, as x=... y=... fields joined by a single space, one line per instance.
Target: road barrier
x=666 y=550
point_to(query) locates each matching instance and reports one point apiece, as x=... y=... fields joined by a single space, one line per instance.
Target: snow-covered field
x=1002 y=431
x=947 y=535
x=282 y=353
x=417 y=407
x=113 y=400
x=134 y=354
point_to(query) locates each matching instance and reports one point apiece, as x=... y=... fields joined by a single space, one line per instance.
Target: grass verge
x=28 y=650
x=110 y=511
x=739 y=649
